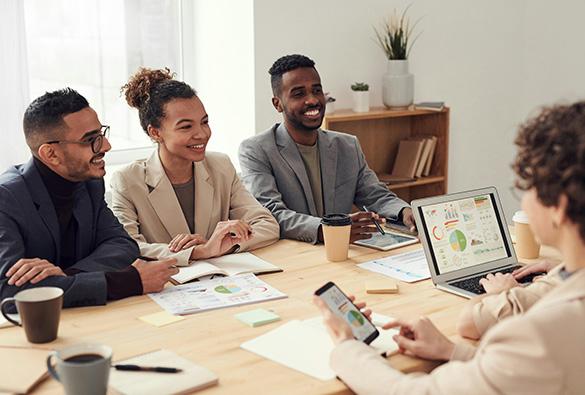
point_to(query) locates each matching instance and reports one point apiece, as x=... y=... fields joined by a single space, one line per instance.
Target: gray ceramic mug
x=39 y=310
x=82 y=369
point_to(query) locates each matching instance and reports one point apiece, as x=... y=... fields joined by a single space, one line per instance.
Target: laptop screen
x=464 y=233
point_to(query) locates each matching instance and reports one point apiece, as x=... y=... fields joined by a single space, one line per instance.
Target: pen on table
x=147 y=258
x=232 y=234
x=375 y=222
x=136 y=368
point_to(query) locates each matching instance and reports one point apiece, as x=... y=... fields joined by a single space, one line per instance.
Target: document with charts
x=215 y=294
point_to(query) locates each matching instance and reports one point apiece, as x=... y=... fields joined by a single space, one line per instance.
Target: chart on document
x=464 y=233
x=214 y=294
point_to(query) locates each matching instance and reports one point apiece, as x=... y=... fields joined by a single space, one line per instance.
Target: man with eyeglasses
x=55 y=226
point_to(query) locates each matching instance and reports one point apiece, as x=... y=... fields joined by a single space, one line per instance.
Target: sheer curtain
x=14 y=95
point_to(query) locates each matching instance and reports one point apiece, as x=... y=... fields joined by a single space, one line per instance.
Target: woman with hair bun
x=182 y=201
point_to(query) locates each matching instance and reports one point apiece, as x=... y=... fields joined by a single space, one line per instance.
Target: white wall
x=492 y=62
x=220 y=35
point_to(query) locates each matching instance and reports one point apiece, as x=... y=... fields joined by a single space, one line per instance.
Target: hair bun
x=140 y=84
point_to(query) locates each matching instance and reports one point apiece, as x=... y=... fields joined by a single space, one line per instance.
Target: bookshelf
x=379 y=132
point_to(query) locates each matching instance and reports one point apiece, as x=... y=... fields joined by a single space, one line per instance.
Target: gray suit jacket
x=274 y=172
x=29 y=229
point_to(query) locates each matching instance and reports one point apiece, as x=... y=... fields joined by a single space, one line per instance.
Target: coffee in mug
x=82 y=369
x=39 y=310
x=336 y=234
x=526 y=246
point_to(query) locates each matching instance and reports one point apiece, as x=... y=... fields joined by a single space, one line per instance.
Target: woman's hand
x=543 y=266
x=496 y=283
x=337 y=328
x=225 y=236
x=421 y=338
x=184 y=241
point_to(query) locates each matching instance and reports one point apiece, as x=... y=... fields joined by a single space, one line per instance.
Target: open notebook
x=191 y=379
x=227 y=265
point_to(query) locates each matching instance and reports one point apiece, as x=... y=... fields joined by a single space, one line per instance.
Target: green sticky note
x=257 y=317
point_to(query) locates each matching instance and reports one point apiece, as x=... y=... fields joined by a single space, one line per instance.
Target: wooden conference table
x=212 y=339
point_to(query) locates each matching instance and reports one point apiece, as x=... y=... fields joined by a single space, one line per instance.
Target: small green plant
x=394 y=36
x=360 y=87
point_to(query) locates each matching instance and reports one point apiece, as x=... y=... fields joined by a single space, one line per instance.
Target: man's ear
x=277 y=104
x=154 y=134
x=47 y=154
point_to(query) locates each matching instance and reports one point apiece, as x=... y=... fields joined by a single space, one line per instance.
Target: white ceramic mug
x=82 y=369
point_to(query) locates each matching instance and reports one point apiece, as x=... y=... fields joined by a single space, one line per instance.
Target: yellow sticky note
x=381 y=287
x=161 y=319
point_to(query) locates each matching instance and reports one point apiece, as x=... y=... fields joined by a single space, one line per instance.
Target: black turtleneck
x=121 y=283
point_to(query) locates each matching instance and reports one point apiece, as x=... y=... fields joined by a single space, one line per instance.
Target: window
x=93 y=46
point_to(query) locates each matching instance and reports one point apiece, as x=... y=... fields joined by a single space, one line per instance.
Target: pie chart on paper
x=230 y=289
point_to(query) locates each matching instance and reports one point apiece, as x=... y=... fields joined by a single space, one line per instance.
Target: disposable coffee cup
x=39 y=311
x=82 y=369
x=526 y=246
x=336 y=234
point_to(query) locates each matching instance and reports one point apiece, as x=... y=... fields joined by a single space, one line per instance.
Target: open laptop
x=465 y=237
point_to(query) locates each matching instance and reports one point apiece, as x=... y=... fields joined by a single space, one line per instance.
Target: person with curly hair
x=183 y=201
x=542 y=350
x=301 y=172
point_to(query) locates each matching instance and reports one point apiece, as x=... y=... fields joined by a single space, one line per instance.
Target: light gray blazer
x=274 y=172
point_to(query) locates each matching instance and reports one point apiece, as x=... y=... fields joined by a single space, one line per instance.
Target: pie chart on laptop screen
x=458 y=240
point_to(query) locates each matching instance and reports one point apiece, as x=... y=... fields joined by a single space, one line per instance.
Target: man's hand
x=184 y=241
x=337 y=328
x=544 y=266
x=408 y=219
x=362 y=226
x=154 y=275
x=422 y=338
x=225 y=236
x=33 y=270
x=498 y=283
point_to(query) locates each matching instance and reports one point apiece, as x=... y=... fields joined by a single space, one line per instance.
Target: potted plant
x=394 y=37
x=361 y=97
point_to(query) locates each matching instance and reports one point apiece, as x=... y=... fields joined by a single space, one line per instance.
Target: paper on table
x=161 y=318
x=409 y=267
x=305 y=346
x=215 y=294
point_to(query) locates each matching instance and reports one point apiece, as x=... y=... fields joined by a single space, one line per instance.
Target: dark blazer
x=29 y=229
x=274 y=172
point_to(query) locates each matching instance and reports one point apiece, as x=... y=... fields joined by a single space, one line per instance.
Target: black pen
x=147 y=258
x=136 y=368
x=375 y=222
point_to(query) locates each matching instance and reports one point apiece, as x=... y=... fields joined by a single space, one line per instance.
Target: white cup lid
x=521 y=217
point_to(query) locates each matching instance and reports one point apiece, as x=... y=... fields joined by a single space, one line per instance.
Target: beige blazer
x=144 y=201
x=539 y=352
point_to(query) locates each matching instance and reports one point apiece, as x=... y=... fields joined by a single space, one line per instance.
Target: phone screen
x=340 y=305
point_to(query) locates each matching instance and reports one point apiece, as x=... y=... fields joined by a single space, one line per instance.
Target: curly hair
x=149 y=90
x=285 y=64
x=43 y=118
x=551 y=158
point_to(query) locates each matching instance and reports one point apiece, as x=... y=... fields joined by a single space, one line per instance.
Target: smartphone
x=340 y=305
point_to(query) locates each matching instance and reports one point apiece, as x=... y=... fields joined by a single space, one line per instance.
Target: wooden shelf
x=379 y=132
x=420 y=181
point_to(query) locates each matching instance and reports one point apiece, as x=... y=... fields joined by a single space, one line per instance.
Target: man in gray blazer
x=55 y=227
x=300 y=172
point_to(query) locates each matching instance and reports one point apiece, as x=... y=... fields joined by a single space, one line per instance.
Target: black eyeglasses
x=96 y=142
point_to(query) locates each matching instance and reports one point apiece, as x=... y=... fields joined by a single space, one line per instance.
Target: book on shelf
x=227 y=265
x=430 y=105
x=22 y=368
x=429 y=161
x=191 y=378
x=406 y=163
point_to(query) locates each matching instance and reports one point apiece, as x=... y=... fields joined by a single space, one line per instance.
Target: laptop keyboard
x=472 y=284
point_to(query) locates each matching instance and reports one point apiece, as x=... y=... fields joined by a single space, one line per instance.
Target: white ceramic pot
x=397 y=85
x=361 y=101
